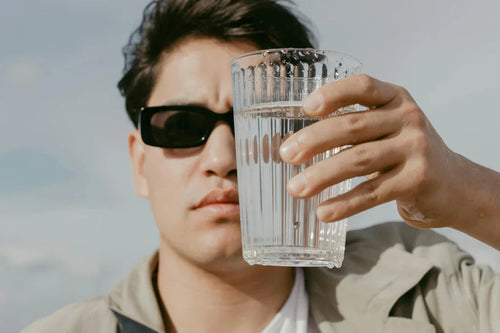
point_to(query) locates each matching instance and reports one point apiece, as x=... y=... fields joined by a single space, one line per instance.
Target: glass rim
x=275 y=50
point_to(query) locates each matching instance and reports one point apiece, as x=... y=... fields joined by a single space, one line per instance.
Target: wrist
x=480 y=211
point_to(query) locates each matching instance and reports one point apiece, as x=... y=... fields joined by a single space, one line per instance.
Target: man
x=394 y=277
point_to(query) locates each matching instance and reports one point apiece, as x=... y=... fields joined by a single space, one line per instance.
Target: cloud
x=24 y=73
x=47 y=258
x=25 y=169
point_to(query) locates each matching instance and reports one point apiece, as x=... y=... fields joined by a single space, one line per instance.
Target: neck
x=241 y=298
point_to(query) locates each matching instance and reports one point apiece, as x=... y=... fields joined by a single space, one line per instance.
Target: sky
x=71 y=223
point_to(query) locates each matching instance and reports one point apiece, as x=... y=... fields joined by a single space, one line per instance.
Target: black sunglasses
x=179 y=126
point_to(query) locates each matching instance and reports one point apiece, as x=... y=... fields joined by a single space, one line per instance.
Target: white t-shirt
x=294 y=316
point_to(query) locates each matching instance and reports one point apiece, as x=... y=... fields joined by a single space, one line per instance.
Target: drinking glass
x=268 y=89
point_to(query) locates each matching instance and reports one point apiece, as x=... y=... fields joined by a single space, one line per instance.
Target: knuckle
x=367 y=83
x=362 y=157
x=414 y=116
x=356 y=123
x=419 y=120
x=420 y=144
x=371 y=193
x=404 y=94
x=402 y=90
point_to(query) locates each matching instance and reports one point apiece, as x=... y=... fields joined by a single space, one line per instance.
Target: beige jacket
x=394 y=279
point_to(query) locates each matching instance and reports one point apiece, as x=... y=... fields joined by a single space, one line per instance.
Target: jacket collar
x=376 y=272
x=133 y=300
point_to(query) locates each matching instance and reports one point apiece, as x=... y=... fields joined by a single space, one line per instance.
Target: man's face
x=193 y=191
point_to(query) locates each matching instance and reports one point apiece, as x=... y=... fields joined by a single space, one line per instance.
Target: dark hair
x=266 y=23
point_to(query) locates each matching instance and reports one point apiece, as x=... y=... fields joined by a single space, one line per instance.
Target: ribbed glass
x=268 y=89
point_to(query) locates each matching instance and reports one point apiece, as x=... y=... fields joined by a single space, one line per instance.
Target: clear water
x=278 y=229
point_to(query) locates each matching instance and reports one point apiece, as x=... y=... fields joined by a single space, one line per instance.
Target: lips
x=219 y=205
x=215 y=197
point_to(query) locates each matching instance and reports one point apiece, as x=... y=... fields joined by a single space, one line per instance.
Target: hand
x=396 y=147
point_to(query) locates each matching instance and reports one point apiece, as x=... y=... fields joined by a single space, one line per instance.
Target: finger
x=338 y=131
x=366 y=195
x=358 y=89
x=359 y=160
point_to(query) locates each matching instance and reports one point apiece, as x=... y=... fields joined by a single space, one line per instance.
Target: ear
x=136 y=152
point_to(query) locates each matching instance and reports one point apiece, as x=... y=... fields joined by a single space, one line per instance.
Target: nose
x=219 y=152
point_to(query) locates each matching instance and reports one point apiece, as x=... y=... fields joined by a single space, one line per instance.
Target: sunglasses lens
x=179 y=129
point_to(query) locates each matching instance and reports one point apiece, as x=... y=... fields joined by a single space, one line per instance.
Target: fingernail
x=325 y=213
x=297 y=184
x=312 y=103
x=289 y=150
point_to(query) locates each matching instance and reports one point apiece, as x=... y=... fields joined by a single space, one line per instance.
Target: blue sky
x=68 y=210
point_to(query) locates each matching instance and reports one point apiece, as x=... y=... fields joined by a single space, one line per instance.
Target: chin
x=220 y=246
x=214 y=244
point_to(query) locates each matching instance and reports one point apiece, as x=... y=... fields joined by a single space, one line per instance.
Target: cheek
x=168 y=186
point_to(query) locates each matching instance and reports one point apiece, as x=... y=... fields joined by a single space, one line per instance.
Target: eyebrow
x=184 y=101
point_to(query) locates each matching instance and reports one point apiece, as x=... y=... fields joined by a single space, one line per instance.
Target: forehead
x=197 y=71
